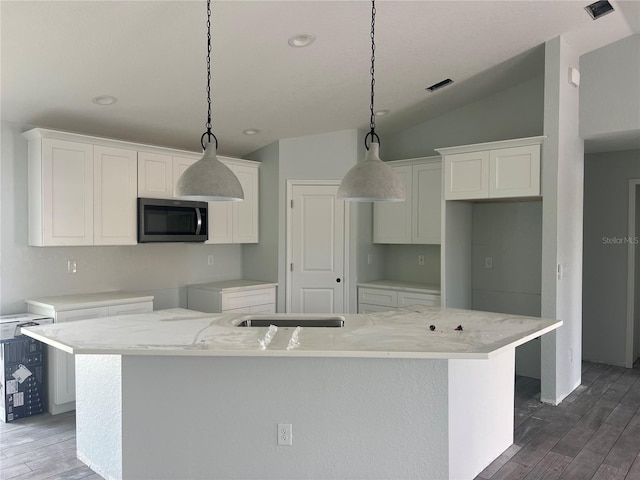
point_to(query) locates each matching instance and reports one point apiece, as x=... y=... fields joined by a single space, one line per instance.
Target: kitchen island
x=178 y=394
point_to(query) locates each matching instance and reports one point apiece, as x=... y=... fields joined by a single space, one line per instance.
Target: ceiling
x=56 y=56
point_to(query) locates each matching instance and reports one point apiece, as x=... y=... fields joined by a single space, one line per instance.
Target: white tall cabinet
x=61 y=365
x=417 y=219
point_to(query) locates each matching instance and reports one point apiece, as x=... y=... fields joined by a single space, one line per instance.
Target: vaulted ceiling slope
x=57 y=56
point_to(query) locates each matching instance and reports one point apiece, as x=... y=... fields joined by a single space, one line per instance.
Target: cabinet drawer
x=374 y=296
x=259 y=309
x=82 y=314
x=248 y=298
x=129 y=308
x=405 y=299
x=368 y=308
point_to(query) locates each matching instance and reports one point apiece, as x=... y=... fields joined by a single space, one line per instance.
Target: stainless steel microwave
x=167 y=220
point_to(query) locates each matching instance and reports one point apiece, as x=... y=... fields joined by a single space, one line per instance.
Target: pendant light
x=209 y=179
x=372 y=180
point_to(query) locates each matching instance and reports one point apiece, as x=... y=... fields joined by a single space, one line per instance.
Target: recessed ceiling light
x=599 y=9
x=381 y=113
x=250 y=131
x=302 y=40
x=104 y=100
x=439 y=85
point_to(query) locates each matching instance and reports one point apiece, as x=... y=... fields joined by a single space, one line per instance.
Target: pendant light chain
x=208 y=133
x=372 y=121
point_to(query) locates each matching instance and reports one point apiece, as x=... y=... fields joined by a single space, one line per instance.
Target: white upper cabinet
x=180 y=164
x=505 y=169
x=417 y=219
x=80 y=193
x=237 y=222
x=60 y=192
x=155 y=175
x=115 y=191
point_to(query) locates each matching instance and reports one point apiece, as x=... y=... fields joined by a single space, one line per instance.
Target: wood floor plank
x=499 y=462
x=621 y=415
x=550 y=467
x=634 y=471
x=535 y=450
x=13 y=471
x=604 y=439
x=612 y=397
x=512 y=471
x=574 y=441
x=43 y=442
x=607 y=472
x=47 y=451
x=79 y=473
x=583 y=466
x=51 y=471
x=625 y=450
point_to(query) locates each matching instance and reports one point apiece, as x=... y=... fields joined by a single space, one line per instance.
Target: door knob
x=338 y=280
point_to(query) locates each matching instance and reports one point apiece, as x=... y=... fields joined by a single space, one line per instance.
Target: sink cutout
x=325 y=322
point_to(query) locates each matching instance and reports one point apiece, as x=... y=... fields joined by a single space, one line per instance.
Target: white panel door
x=317 y=250
x=155 y=175
x=466 y=175
x=515 y=172
x=115 y=188
x=392 y=220
x=67 y=172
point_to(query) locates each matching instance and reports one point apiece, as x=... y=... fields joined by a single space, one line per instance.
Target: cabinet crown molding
x=437 y=159
x=517 y=142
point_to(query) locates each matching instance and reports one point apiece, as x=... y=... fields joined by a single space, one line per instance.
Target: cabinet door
x=406 y=299
x=245 y=213
x=368 y=308
x=220 y=222
x=427 y=203
x=62 y=368
x=466 y=175
x=377 y=296
x=115 y=189
x=155 y=175
x=67 y=189
x=180 y=164
x=515 y=172
x=392 y=221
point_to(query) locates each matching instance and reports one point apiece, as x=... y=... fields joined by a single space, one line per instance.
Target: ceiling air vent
x=599 y=9
x=439 y=85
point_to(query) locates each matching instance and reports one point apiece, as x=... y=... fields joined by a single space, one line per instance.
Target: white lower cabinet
x=380 y=300
x=234 y=296
x=61 y=365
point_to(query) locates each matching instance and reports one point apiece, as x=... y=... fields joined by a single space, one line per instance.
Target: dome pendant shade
x=371 y=180
x=209 y=180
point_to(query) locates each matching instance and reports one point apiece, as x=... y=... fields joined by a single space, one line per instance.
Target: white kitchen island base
x=215 y=417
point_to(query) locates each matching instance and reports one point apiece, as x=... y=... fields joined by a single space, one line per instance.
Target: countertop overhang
x=402 y=333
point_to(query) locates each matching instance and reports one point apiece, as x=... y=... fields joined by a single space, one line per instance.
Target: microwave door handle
x=199 y=215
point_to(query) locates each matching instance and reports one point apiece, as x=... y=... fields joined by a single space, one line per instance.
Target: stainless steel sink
x=263 y=321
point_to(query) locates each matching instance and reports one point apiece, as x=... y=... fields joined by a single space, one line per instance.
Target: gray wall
x=511 y=234
x=512 y=113
x=162 y=270
x=609 y=93
x=637 y=279
x=606 y=210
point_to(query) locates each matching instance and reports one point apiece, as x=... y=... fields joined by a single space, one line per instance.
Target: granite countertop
x=404 y=286
x=88 y=300
x=233 y=285
x=402 y=333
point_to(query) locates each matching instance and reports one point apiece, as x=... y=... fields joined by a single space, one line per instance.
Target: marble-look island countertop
x=402 y=333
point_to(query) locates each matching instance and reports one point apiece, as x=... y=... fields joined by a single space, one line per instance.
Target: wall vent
x=599 y=9
x=439 y=85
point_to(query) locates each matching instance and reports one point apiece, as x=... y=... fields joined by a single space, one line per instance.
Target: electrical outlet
x=209 y=259
x=370 y=259
x=285 y=434
x=420 y=259
x=72 y=266
x=488 y=263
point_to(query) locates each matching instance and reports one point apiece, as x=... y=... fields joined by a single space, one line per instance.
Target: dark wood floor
x=593 y=435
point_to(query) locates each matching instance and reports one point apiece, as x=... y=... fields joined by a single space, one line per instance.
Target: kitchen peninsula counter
x=176 y=394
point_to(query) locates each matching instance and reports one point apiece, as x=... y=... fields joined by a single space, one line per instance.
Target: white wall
x=609 y=93
x=511 y=234
x=401 y=263
x=637 y=279
x=606 y=210
x=162 y=270
x=562 y=192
